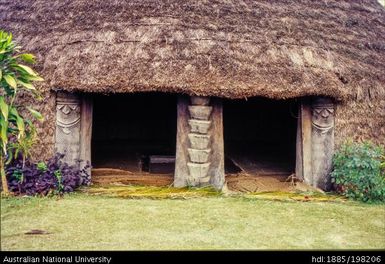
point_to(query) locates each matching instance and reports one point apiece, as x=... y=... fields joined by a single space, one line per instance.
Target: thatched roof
x=227 y=48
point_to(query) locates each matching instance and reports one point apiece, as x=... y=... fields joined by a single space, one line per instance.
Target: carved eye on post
x=317 y=111
x=323 y=112
x=66 y=109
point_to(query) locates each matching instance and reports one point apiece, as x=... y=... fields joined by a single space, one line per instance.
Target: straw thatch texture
x=277 y=49
x=361 y=120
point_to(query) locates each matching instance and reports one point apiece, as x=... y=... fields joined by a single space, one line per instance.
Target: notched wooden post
x=323 y=111
x=200 y=152
x=68 y=109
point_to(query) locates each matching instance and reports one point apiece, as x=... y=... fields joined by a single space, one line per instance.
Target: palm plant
x=17 y=132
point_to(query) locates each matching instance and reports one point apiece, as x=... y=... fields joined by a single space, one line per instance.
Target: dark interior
x=129 y=129
x=260 y=136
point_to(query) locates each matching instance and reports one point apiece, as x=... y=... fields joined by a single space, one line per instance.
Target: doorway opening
x=260 y=138
x=134 y=133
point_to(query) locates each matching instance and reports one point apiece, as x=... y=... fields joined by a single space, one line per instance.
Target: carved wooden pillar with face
x=323 y=111
x=68 y=108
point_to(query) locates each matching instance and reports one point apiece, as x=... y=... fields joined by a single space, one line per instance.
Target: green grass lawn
x=96 y=222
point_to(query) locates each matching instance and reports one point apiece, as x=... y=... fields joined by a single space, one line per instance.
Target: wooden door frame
x=314 y=151
x=86 y=120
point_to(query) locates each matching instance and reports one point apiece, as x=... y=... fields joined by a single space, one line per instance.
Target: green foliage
x=59 y=176
x=41 y=166
x=359 y=171
x=18 y=174
x=23 y=146
x=17 y=132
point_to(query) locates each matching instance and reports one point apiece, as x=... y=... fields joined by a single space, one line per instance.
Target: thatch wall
x=235 y=49
x=361 y=120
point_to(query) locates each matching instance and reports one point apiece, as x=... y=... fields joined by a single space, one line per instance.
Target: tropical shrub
x=51 y=177
x=17 y=132
x=359 y=171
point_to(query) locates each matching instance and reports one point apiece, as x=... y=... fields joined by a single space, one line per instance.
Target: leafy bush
x=54 y=176
x=359 y=171
x=17 y=132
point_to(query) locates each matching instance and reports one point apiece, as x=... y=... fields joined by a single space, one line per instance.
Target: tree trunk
x=4 y=182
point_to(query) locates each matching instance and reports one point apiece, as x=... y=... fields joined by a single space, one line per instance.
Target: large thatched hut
x=268 y=86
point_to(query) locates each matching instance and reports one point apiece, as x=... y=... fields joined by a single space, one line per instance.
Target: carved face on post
x=323 y=117
x=68 y=115
x=67 y=138
x=322 y=140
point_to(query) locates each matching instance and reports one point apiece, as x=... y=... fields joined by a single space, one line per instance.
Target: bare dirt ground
x=243 y=182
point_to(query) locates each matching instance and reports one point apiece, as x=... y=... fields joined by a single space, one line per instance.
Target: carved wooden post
x=200 y=151
x=315 y=142
x=322 y=141
x=68 y=109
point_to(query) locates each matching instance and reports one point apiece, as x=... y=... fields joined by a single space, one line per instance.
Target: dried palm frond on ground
x=116 y=183
x=296 y=196
x=153 y=192
x=150 y=192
